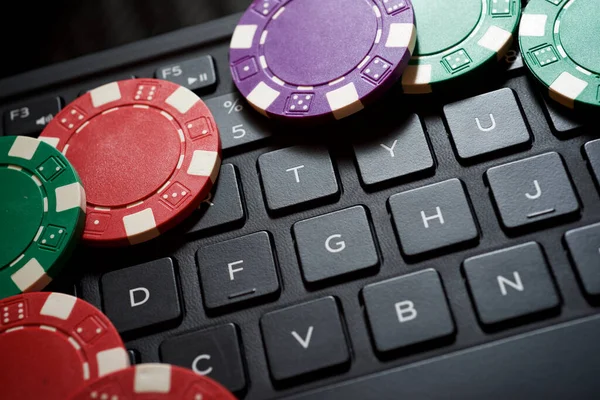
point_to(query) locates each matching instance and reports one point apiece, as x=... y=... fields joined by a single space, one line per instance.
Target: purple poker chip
x=320 y=59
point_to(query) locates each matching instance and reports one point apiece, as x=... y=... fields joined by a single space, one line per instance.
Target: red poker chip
x=52 y=344
x=148 y=152
x=155 y=382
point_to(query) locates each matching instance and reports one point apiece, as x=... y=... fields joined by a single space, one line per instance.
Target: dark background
x=38 y=33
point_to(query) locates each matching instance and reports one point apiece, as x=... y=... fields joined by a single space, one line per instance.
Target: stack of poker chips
x=130 y=160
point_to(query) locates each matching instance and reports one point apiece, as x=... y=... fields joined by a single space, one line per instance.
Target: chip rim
x=144 y=219
x=158 y=380
x=424 y=78
x=341 y=97
x=562 y=79
x=35 y=267
x=56 y=312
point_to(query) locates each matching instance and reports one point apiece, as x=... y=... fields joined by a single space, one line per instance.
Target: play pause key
x=194 y=73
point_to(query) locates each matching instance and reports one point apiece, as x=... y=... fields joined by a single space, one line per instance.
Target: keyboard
x=391 y=254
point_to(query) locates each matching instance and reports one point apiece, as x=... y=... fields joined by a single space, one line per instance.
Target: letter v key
x=306 y=341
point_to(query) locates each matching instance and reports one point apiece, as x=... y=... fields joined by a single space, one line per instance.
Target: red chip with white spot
x=154 y=382
x=148 y=152
x=53 y=344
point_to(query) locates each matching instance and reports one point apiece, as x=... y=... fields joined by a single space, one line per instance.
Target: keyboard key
x=433 y=217
x=556 y=362
x=194 y=74
x=31 y=118
x=487 y=124
x=299 y=175
x=584 y=247
x=223 y=207
x=563 y=121
x=407 y=310
x=402 y=152
x=510 y=283
x=238 y=123
x=592 y=152
x=237 y=270
x=141 y=296
x=304 y=338
x=335 y=244
x=532 y=190
x=213 y=352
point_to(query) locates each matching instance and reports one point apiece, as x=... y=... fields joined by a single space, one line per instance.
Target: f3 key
x=31 y=118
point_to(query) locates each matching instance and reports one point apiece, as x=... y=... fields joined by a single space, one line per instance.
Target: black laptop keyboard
x=473 y=216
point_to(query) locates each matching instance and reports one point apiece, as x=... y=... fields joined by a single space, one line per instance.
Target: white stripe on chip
x=59 y=305
x=31 y=275
x=416 y=79
x=262 y=96
x=496 y=39
x=182 y=99
x=243 y=36
x=533 y=25
x=105 y=94
x=152 y=378
x=23 y=147
x=69 y=196
x=344 y=101
x=400 y=35
x=140 y=226
x=566 y=88
x=203 y=164
x=111 y=360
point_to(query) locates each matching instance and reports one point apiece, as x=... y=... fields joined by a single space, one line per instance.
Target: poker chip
x=560 y=43
x=156 y=382
x=52 y=344
x=456 y=39
x=319 y=60
x=148 y=152
x=42 y=212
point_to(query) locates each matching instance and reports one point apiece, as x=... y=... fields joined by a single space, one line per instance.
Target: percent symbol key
x=233 y=106
x=239 y=125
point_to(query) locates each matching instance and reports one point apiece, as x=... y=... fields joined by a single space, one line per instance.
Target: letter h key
x=433 y=217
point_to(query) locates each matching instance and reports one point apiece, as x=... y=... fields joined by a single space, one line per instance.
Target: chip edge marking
x=566 y=89
x=31 y=276
x=243 y=37
x=152 y=378
x=59 y=305
x=140 y=226
x=111 y=360
x=105 y=94
x=23 y=147
x=533 y=25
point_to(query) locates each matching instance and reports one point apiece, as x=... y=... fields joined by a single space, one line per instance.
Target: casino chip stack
x=320 y=60
x=42 y=211
x=156 y=382
x=52 y=344
x=458 y=40
x=560 y=42
x=148 y=152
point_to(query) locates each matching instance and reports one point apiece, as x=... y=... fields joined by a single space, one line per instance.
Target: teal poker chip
x=458 y=39
x=560 y=43
x=42 y=213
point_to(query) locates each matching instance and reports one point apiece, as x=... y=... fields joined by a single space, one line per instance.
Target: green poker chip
x=560 y=43
x=42 y=213
x=456 y=39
